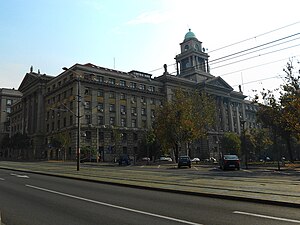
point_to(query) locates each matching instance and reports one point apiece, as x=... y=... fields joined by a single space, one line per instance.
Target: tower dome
x=189 y=35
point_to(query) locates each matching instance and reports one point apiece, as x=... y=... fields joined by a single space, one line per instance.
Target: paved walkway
x=264 y=185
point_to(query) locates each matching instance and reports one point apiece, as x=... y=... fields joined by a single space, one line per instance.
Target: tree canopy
x=186 y=117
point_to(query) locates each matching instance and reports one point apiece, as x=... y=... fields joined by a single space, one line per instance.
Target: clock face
x=186 y=47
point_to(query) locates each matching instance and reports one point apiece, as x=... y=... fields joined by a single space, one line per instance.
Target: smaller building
x=7 y=98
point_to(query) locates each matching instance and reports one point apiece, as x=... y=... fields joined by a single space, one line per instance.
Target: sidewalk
x=257 y=185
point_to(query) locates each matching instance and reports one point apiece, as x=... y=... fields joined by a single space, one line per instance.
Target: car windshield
x=184 y=158
x=230 y=157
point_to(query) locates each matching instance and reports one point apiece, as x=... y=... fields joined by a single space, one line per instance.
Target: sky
x=145 y=34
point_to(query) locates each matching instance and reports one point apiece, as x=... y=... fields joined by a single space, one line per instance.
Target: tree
x=184 y=119
x=20 y=143
x=231 y=144
x=61 y=141
x=281 y=114
x=262 y=141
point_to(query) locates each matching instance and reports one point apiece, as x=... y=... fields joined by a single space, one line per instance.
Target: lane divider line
x=113 y=206
x=267 y=217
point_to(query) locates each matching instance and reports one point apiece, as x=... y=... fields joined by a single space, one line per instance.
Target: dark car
x=229 y=162
x=124 y=160
x=184 y=161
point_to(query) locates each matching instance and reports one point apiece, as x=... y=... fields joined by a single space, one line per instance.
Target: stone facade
x=116 y=108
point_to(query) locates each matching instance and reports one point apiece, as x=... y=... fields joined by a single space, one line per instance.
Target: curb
x=201 y=194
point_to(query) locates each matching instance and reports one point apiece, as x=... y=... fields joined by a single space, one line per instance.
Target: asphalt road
x=32 y=199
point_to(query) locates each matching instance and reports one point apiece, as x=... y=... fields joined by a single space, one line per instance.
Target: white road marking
x=113 y=206
x=267 y=217
x=18 y=175
x=195 y=168
x=158 y=166
x=2 y=178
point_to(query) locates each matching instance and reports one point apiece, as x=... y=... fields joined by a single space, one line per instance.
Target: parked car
x=164 y=158
x=124 y=160
x=184 y=161
x=229 y=162
x=195 y=160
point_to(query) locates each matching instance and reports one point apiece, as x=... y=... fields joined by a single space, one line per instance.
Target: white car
x=163 y=158
x=195 y=160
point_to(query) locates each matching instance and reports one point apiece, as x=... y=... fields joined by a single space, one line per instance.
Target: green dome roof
x=189 y=35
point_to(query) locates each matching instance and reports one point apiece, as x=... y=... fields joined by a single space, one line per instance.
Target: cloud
x=151 y=17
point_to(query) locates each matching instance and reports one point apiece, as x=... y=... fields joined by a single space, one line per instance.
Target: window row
x=121 y=83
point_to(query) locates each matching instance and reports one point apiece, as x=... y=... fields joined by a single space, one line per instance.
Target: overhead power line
x=248 y=39
x=258 y=46
x=252 y=67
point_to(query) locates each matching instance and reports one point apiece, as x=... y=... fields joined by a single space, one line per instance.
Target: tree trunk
x=288 y=144
x=176 y=153
x=275 y=149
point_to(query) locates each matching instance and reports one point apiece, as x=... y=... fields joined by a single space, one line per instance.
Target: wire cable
x=248 y=39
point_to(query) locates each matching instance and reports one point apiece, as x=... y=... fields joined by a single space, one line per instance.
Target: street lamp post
x=78 y=118
x=243 y=142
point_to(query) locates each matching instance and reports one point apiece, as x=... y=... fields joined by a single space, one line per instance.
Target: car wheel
x=238 y=168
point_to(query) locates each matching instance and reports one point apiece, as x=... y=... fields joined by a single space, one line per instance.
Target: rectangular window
x=151 y=88
x=152 y=113
x=123 y=122
x=112 y=108
x=112 y=121
x=152 y=101
x=123 y=109
x=142 y=87
x=144 y=123
x=100 y=93
x=87 y=91
x=88 y=119
x=87 y=105
x=100 y=120
x=133 y=111
x=9 y=102
x=112 y=94
x=100 y=107
x=101 y=136
x=122 y=96
x=133 y=123
x=133 y=99
x=88 y=135
x=111 y=81
x=132 y=85
x=124 y=137
x=143 y=112
x=99 y=79
x=122 y=83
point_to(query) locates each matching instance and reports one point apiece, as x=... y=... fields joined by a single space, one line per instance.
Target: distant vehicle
x=184 y=161
x=164 y=158
x=195 y=160
x=146 y=159
x=124 y=160
x=229 y=162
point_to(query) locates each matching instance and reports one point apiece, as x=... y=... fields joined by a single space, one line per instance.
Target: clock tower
x=192 y=62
